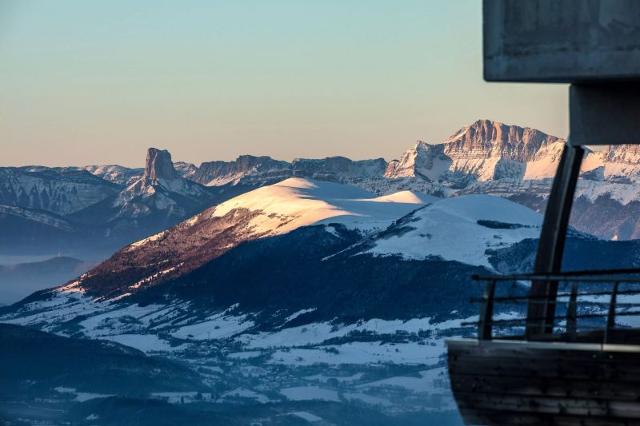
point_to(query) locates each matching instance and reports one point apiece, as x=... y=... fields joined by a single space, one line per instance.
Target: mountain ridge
x=267 y=211
x=117 y=205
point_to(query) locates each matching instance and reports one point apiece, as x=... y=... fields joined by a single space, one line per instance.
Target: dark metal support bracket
x=552 y=239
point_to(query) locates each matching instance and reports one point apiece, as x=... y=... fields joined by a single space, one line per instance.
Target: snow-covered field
x=381 y=363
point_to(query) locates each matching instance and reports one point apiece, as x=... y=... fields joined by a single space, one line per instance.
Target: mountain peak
x=488 y=131
x=485 y=149
x=159 y=165
x=486 y=138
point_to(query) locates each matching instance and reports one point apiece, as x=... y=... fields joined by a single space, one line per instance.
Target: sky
x=87 y=82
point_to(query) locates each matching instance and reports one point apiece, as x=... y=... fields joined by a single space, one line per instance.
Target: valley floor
x=317 y=373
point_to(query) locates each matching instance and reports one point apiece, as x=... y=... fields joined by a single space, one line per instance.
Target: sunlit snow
x=453 y=229
x=297 y=202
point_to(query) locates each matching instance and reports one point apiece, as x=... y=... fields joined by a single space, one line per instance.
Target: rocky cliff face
x=485 y=150
x=338 y=168
x=161 y=190
x=488 y=151
x=621 y=161
x=159 y=166
x=246 y=168
x=258 y=171
x=490 y=139
x=57 y=190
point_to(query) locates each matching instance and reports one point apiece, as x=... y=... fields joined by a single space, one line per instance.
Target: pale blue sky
x=85 y=82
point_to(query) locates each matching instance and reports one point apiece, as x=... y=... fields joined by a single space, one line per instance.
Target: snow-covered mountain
x=161 y=188
x=57 y=190
x=519 y=163
x=297 y=231
x=485 y=157
x=484 y=151
x=111 y=205
x=466 y=229
x=488 y=151
x=265 y=212
x=286 y=276
x=157 y=200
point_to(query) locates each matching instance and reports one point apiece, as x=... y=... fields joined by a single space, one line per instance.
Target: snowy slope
x=265 y=212
x=460 y=229
x=297 y=202
x=545 y=162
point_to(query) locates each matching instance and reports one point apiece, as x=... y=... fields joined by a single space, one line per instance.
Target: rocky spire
x=159 y=165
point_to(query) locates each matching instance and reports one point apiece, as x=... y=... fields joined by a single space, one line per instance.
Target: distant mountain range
x=71 y=210
x=93 y=210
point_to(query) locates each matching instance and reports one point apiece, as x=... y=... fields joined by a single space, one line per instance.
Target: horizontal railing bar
x=534 y=320
x=523 y=323
x=560 y=295
x=618 y=304
x=558 y=276
x=601 y=293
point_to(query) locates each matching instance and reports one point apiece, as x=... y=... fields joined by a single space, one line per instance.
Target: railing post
x=611 y=316
x=572 y=312
x=486 y=312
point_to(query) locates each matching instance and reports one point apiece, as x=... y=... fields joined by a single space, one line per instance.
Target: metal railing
x=592 y=306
